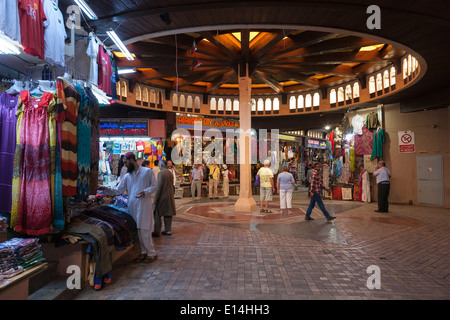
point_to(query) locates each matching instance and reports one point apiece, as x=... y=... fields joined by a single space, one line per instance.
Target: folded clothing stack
x=3 y=224
x=18 y=255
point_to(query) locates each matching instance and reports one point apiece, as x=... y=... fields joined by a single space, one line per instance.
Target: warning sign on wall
x=406 y=143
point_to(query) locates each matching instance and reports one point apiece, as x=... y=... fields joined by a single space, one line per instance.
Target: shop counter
x=16 y=288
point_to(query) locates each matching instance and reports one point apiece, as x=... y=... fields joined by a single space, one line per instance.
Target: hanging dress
x=32 y=205
x=8 y=119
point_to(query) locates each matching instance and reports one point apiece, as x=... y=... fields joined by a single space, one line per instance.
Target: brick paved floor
x=216 y=253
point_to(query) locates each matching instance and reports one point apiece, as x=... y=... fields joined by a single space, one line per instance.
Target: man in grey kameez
x=164 y=202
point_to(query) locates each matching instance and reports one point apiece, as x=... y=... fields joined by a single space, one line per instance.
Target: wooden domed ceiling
x=280 y=61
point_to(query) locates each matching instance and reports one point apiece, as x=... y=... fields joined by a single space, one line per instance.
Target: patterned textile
x=32 y=206
x=105 y=226
x=372 y=120
x=337 y=193
x=95 y=136
x=364 y=142
x=83 y=145
x=66 y=114
x=345 y=175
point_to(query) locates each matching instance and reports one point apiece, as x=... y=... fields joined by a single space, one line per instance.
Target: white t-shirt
x=225 y=174
x=92 y=52
x=9 y=19
x=54 y=34
x=357 y=124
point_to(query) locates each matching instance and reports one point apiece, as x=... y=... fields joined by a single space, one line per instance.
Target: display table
x=16 y=288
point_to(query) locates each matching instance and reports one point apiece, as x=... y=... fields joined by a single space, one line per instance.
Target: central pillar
x=245 y=202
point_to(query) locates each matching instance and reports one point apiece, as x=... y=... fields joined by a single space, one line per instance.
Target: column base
x=245 y=205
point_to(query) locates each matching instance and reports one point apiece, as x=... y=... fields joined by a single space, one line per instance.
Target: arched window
x=145 y=95
x=276 y=104
x=160 y=98
x=152 y=96
x=348 y=92
x=409 y=65
x=253 y=103
x=341 y=94
x=332 y=96
x=316 y=99
x=124 y=89
x=197 y=104
x=405 y=68
x=292 y=103
x=386 y=79
x=236 y=105
x=190 y=102
x=372 y=88
x=182 y=101
x=268 y=105
x=356 y=90
x=213 y=104
x=393 y=72
x=175 y=100
x=260 y=105
x=228 y=105
x=118 y=88
x=220 y=105
x=308 y=101
x=138 y=93
x=379 y=82
x=300 y=103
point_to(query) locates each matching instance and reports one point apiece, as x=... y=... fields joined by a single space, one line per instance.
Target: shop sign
x=207 y=123
x=406 y=142
x=318 y=144
x=124 y=127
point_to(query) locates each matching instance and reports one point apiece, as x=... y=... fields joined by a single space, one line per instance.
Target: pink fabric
x=364 y=142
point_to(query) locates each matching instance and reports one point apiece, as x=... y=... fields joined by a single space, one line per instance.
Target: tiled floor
x=216 y=253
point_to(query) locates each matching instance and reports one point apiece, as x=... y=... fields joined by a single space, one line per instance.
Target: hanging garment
x=83 y=144
x=92 y=52
x=378 y=140
x=8 y=108
x=358 y=124
x=32 y=18
x=104 y=70
x=372 y=120
x=9 y=19
x=363 y=143
x=54 y=34
x=66 y=115
x=95 y=137
x=365 y=186
x=32 y=201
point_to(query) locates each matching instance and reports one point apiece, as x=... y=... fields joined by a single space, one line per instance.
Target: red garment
x=331 y=139
x=104 y=70
x=32 y=17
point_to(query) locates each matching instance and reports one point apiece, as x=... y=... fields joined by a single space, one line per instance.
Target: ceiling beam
x=245 y=45
x=224 y=44
x=264 y=42
x=270 y=81
x=220 y=80
x=201 y=76
x=293 y=76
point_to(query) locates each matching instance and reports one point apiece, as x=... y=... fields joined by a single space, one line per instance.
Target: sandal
x=139 y=258
x=150 y=259
x=262 y=211
x=268 y=211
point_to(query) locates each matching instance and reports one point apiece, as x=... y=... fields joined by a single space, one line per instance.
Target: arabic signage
x=207 y=123
x=124 y=127
x=406 y=142
x=318 y=144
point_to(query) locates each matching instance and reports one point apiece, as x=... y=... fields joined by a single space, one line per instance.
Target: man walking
x=267 y=186
x=214 y=176
x=383 y=176
x=140 y=187
x=164 y=204
x=196 y=181
x=315 y=193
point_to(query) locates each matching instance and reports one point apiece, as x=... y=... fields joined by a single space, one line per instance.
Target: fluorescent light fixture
x=86 y=9
x=327 y=128
x=126 y=70
x=112 y=34
x=8 y=46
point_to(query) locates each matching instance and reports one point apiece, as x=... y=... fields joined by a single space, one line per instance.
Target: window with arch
x=152 y=96
x=190 y=103
x=220 y=105
x=213 y=105
x=253 y=104
x=333 y=96
x=228 y=105
x=260 y=105
x=409 y=65
x=379 y=82
x=386 y=79
x=372 y=88
x=138 y=93
x=268 y=104
x=175 y=100
x=236 y=105
x=276 y=104
x=118 y=88
x=124 y=91
x=405 y=68
x=292 y=103
x=160 y=98
x=393 y=72
x=340 y=95
x=348 y=92
x=197 y=104
x=308 y=101
x=145 y=96
x=300 y=103
x=316 y=99
x=182 y=101
x=356 y=90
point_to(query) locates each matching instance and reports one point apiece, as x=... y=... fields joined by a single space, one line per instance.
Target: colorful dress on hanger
x=8 y=119
x=378 y=140
x=83 y=144
x=363 y=143
x=32 y=200
x=95 y=136
x=66 y=115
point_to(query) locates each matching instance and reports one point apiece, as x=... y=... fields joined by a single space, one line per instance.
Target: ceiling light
x=327 y=128
x=126 y=70
x=112 y=34
x=86 y=9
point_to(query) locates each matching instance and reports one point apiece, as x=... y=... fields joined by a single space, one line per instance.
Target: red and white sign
x=406 y=142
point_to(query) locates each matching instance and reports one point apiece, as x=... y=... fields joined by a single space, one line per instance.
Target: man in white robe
x=140 y=185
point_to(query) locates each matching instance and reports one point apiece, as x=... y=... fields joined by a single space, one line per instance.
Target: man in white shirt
x=140 y=186
x=196 y=181
x=383 y=176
